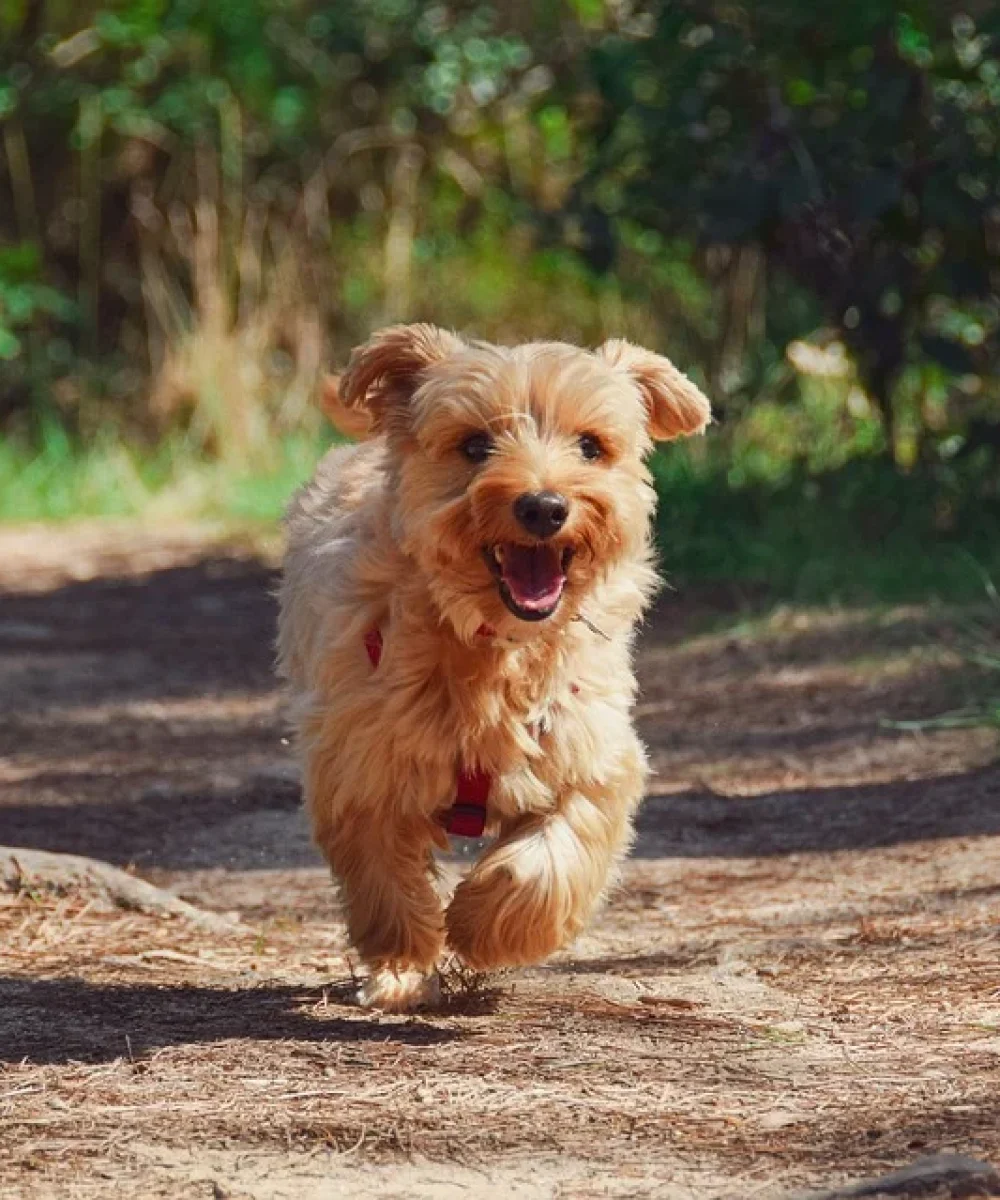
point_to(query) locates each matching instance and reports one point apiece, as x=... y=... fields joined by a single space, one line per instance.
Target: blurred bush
x=852 y=157
x=203 y=201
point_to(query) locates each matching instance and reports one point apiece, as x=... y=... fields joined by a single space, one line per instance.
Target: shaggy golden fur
x=505 y=649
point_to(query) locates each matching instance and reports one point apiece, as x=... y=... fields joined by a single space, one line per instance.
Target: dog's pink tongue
x=533 y=574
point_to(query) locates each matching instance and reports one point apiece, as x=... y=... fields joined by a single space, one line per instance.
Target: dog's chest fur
x=537 y=718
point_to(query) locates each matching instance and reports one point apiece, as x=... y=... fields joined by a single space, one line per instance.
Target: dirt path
x=798 y=983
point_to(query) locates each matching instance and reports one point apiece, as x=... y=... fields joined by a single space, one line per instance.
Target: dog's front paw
x=400 y=991
x=495 y=920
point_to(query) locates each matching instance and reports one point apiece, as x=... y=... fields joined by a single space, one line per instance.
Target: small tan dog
x=457 y=616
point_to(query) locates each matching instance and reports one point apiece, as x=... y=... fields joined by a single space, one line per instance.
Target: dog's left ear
x=383 y=374
x=352 y=422
x=675 y=406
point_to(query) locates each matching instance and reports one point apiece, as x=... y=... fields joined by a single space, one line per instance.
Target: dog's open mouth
x=531 y=578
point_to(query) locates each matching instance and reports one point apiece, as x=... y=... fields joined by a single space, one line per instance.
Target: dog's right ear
x=384 y=373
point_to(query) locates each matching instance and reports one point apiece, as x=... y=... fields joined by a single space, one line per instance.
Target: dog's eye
x=590 y=447
x=477 y=448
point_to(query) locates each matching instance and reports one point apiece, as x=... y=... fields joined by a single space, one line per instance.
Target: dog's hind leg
x=394 y=914
x=534 y=890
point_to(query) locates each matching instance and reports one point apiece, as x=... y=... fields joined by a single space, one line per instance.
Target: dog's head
x=518 y=477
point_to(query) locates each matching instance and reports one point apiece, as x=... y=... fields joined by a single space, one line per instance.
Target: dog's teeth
x=498 y=553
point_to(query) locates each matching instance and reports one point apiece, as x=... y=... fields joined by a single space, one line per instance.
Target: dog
x=458 y=606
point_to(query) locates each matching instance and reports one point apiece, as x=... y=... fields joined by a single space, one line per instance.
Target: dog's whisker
x=592 y=627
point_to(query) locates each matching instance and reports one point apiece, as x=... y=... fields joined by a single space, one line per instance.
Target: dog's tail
x=351 y=422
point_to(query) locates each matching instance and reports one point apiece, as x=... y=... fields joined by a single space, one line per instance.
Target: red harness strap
x=373 y=644
x=467 y=816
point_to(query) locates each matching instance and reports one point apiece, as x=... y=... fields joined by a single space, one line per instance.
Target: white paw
x=400 y=991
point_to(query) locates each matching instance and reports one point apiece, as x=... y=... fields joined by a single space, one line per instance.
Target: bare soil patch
x=798 y=982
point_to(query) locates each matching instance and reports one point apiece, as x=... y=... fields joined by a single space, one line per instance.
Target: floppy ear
x=676 y=407
x=352 y=422
x=385 y=372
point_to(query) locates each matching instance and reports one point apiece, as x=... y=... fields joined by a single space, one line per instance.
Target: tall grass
x=56 y=479
x=233 y=318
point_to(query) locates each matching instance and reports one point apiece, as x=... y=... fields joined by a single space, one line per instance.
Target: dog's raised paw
x=496 y=920
x=400 y=991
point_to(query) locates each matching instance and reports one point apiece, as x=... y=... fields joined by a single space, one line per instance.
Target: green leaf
x=800 y=92
x=590 y=12
x=10 y=346
x=20 y=263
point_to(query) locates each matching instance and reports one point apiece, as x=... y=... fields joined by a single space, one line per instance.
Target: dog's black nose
x=541 y=513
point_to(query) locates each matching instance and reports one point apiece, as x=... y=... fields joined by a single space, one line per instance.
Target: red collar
x=467 y=816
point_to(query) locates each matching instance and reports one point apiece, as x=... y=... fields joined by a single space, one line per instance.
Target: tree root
x=26 y=869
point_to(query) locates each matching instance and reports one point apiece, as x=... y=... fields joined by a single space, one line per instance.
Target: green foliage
x=858 y=158
x=25 y=303
x=860 y=155
x=56 y=478
x=324 y=117
x=858 y=533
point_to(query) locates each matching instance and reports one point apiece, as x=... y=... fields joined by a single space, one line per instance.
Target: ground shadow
x=747 y=626
x=703 y=824
x=262 y=826
x=72 y=1020
x=209 y=627
x=765 y=716
x=182 y=631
